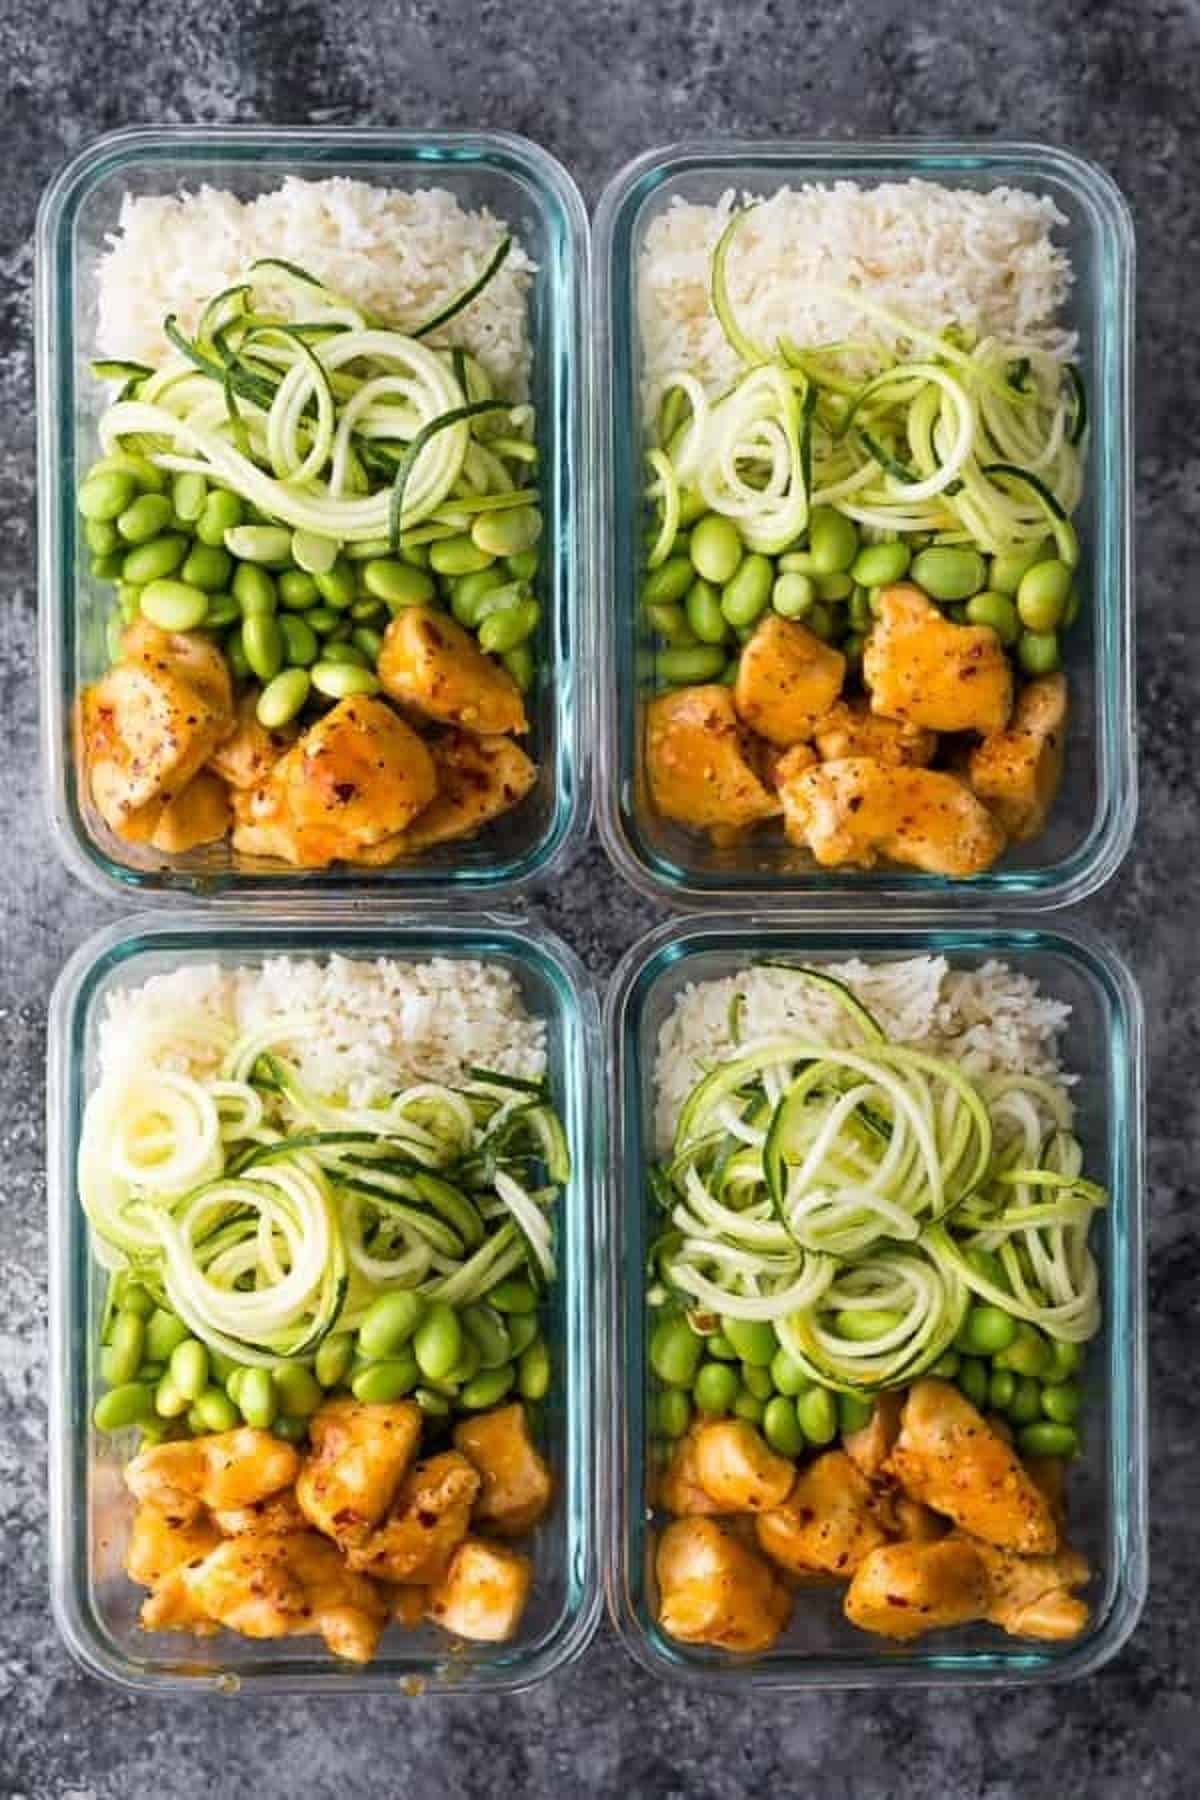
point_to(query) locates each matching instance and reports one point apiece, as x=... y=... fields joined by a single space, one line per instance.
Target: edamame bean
x=819 y=620
x=1042 y=595
x=300 y=646
x=675 y=1351
x=323 y=620
x=1047 y=1439
x=715 y=549
x=781 y=1428
x=948 y=573
x=524 y=566
x=369 y=642
x=788 y=1376
x=389 y=1322
x=101 y=537
x=215 y=1411
x=834 y=587
x=1026 y=1403
x=134 y=1297
x=334 y=1356
x=129 y=1404
x=188 y=1368
x=507 y=533
x=108 y=568
x=1065 y=1358
x=470 y=590
x=431 y=1403
x=704 y=615
x=340 y=681
x=207 y=567
x=860 y=1325
x=253 y=590
x=235 y=656
x=105 y=495
x=715 y=1389
x=513 y=1295
x=189 y=495
x=1038 y=652
x=489 y=1333
x=457 y=555
x=1061 y=1401
x=163 y=1332
x=154 y=561
x=753 y=1339
x=223 y=610
x=345 y=653
x=757 y=1381
x=1002 y=1385
x=169 y=1403
x=878 y=565
x=398 y=584
x=816 y=1414
x=223 y=511
x=748 y=1406
x=257 y=1399
x=282 y=698
x=533 y=1371
x=121 y=1357
x=718 y=1345
x=832 y=541
x=298 y=1389
x=522 y=1329
x=858 y=612
x=793 y=595
x=145 y=518
x=174 y=605
x=797 y=562
x=438 y=1342
x=297 y=590
x=503 y=631
x=487 y=1388
x=673 y=1413
x=947 y=1366
x=1007 y=568
x=973 y=1380
x=668 y=583
x=140 y=470
x=520 y=665
x=985 y=1330
x=262 y=641
x=997 y=610
x=337 y=586
x=854 y=1413
x=465 y=1369
x=670 y=623
x=677 y=668
x=269 y=544
x=749 y=592
x=368 y=612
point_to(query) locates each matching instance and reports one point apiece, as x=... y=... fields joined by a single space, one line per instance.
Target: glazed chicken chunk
x=851 y=729
x=198 y=814
x=427 y=1522
x=922 y=668
x=483 y=1592
x=431 y=664
x=949 y=1457
x=160 y=1543
x=787 y=679
x=515 y=1485
x=1016 y=772
x=352 y=1474
x=715 y=1590
x=679 y=1489
x=870 y=1446
x=828 y=1520
x=737 y=1468
x=478 y=779
x=250 y=752
x=904 y=1590
x=697 y=763
x=228 y=1469
x=855 y=811
x=1033 y=1596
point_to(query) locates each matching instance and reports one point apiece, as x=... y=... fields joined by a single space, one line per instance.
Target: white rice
x=399 y=254
x=360 y=1028
x=990 y=1020
x=937 y=256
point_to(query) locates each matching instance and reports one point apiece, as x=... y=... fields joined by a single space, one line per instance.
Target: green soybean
x=1007 y=568
x=122 y=1356
x=817 y=1415
x=133 y=1296
x=155 y=560
x=997 y=610
x=341 y=681
x=169 y=1403
x=465 y=1369
x=1061 y=1401
x=878 y=565
x=507 y=533
x=1002 y=1385
x=368 y=641
x=832 y=541
x=792 y=595
x=513 y=1295
x=947 y=1366
x=748 y=1406
x=458 y=555
x=973 y=1380
x=854 y=1413
x=985 y=1330
x=1042 y=595
x=188 y=1368
x=292 y=1431
x=949 y=574
x=753 y=1339
x=283 y=697
x=323 y=620
x=669 y=582
x=215 y=1411
x=334 y=1356
x=431 y=1403
x=300 y=645
x=256 y=1398
x=207 y=567
x=715 y=1388
x=820 y=621
x=337 y=586
x=715 y=549
x=235 y=656
x=163 y=1332
x=122 y=1406
x=788 y=1376
x=346 y=653
x=222 y=512
x=1065 y=1359
x=673 y=1412
x=398 y=584
x=368 y=612
x=796 y=562
x=781 y=1428
x=503 y=631
x=174 y=605
x=223 y=610
x=834 y=587
x=1028 y=1354
x=718 y=1345
x=438 y=1342
x=524 y=565
x=748 y=594
x=520 y=665
x=140 y=470
x=757 y=1381
x=679 y=667
x=704 y=615
x=1047 y=1439
x=254 y=590
x=108 y=568
x=102 y=537
x=297 y=590
x=488 y=1388
x=299 y=1391
x=106 y=495
x=189 y=495
x=470 y=590
x=269 y=544
x=489 y=1333
x=389 y=1322
x=145 y=518
x=670 y=623
x=675 y=1351
x=262 y=641
x=1026 y=1403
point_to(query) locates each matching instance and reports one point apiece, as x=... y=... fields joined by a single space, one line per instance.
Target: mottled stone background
x=594 y=84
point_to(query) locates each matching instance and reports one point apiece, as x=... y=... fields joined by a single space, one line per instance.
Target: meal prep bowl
x=95 y=1604
x=1090 y=827
x=530 y=191
x=1107 y=1485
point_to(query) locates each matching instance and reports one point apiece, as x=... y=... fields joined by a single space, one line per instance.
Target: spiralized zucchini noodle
x=857 y=1198
x=266 y=1215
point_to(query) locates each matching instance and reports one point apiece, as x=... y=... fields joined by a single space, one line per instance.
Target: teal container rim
x=529 y=946
x=1092 y=862
x=670 y=946
x=568 y=496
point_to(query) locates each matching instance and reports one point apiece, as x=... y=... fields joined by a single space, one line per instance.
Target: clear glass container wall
x=527 y=190
x=1090 y=827
x=1107 y=1491
x=95 y=1604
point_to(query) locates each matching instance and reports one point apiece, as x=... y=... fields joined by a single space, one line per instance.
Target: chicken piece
x=828 y=1521
x=247 y=756
x=858 y=810
x=949 y=1458
x=479 y=779
x=431 y=664
x=1031 y=1596
x=515 y=1484
x=679 y=1489
x=146 y=731
x=698 y=762
x=1050 y=1474
x=409 y=1605
x=714 y=1590
x=904 y=1590
x=264 y=1586
x=430 y=1518
x=851 y=729
x=160 y=1543
x=923 y=668
x=870 y=1446
x=1016 y=772
x=356 y=777
x=787 y=678
x=483 y=1592
x=198 y=814
x=360 y=1454
x=911 y=1522
x=226 y=1469
x=191 y=656
x=274 y=1516
x=736 y=1467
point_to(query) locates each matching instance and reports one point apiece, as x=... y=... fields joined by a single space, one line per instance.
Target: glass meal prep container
x=95 y=1604
x=1106 y=1485
x=530 y=192
x=1089 y=829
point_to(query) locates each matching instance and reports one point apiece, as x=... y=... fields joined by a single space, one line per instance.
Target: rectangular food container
x=1090 y=828
x=1107 y=1490
x=95 y=1605
x=532 y=193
